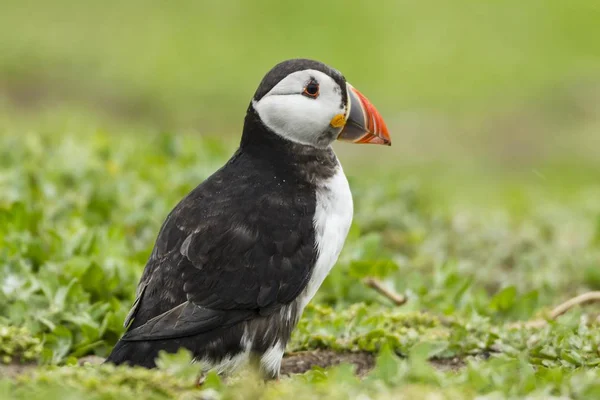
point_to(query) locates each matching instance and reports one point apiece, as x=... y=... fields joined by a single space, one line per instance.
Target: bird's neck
x=308 y=161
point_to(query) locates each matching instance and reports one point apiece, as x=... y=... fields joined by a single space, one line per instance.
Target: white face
x=293 y=111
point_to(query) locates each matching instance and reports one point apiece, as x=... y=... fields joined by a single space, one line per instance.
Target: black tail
x=140 y=353
x=143 y=353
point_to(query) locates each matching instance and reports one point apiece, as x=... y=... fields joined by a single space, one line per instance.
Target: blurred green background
x=503 y=83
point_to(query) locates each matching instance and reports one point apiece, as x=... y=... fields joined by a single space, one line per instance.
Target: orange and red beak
x=363 y=123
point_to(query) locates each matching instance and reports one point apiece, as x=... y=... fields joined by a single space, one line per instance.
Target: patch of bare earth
x=300 y=362
x=14 y=370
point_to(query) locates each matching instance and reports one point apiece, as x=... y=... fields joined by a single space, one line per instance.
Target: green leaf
x=179 y=364
x=58 y=343
x=388 y=367
x=93 y=280
x=504 y=299
x=212 y=380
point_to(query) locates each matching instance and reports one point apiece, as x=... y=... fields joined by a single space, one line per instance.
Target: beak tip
x=385 y=136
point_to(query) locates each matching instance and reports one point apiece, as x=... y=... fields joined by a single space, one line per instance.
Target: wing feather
x=237 y=246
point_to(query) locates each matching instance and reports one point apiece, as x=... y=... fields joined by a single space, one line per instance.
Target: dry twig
x=376 y=284
x=589 y=297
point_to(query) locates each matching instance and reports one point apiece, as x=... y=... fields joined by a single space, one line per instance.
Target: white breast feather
x=333 y=216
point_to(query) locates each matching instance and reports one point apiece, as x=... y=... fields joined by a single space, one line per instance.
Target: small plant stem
x=376 y=284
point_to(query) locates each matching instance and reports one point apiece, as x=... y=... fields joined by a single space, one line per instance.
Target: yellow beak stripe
x=338 y=121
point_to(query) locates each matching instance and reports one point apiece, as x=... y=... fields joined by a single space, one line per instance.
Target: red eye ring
x=311 y=89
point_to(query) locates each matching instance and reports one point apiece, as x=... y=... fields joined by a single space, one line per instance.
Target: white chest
x=333 y=216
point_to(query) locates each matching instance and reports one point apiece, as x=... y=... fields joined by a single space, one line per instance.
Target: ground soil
x=300 y=362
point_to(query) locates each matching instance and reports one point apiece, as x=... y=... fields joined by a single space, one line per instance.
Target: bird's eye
x=311 y=89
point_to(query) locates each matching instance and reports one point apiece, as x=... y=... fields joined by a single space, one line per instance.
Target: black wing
x=239 y=245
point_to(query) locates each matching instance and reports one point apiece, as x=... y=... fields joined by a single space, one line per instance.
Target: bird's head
x=307 y=102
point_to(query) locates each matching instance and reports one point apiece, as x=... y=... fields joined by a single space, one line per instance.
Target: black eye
x=311 y=89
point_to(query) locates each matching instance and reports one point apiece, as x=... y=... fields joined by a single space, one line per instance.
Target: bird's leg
x=200 y=380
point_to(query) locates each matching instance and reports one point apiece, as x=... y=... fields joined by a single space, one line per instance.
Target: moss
x=17 y=345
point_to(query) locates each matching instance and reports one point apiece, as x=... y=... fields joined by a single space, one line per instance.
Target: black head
x=285 y=68
x=310 y=103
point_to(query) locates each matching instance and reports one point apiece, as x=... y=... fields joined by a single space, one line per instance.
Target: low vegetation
x=79 y=215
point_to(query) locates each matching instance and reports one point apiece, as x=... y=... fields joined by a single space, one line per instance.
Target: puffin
x=238 y=259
